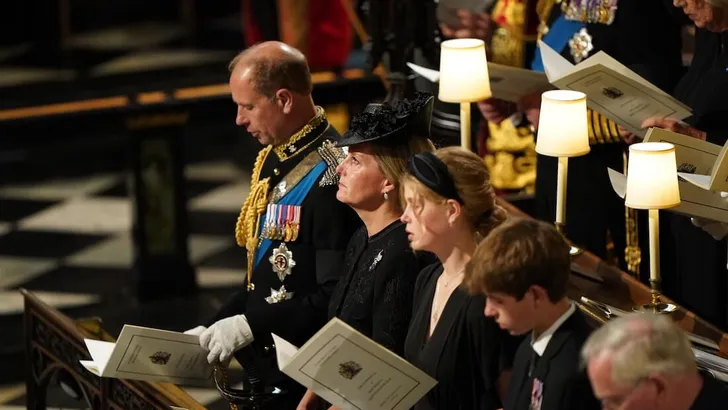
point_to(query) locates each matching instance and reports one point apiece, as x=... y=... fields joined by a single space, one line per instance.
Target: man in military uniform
x=649 y=46
x=292 y=226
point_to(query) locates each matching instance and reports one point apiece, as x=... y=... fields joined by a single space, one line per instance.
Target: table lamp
x=563 y=133
x=463 y=78
x=652 y=185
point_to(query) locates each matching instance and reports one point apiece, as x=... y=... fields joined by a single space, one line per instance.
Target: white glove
x=225 y=337
x=196 y=331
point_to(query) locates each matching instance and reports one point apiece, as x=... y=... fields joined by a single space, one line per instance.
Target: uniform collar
x=540 y=345
x=303 y=138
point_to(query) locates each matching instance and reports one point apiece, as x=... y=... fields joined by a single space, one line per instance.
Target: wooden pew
x=54 y=343
x=623 y=291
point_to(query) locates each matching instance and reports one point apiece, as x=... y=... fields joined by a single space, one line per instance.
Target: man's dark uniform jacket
x=310 y=260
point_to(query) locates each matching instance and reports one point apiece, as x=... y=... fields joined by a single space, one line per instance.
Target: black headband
x=433 y=173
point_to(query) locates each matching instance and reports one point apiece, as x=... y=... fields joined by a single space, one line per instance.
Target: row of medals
x=288 y=231
x=590 y=11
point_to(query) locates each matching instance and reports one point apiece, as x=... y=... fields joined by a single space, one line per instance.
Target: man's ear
x=284 y=100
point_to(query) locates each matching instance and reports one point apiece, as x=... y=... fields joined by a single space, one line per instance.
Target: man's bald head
x=271 y=66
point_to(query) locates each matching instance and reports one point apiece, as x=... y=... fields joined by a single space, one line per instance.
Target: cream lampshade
x=463 y=71
x=652 y=185
x=464 y=78
x=562 y=124
x=652 y=176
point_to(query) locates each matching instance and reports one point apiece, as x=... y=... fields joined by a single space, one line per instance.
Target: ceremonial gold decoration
x=248 y=224
x=289 y=149
x=632 y=252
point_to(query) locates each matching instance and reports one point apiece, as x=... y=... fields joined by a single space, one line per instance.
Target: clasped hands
x=224 y=337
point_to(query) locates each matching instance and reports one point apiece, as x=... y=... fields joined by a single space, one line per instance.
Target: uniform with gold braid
x=294 y=231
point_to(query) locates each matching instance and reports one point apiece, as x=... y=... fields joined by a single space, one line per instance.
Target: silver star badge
x=277 y=296
x=282 y=261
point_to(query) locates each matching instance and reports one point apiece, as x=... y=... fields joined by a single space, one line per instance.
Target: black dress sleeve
x=392 y=302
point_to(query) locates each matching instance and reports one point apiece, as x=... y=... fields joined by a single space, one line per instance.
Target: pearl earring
x=386 y=197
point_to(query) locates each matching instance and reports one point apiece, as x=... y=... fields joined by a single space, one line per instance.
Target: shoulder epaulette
x=333 y=156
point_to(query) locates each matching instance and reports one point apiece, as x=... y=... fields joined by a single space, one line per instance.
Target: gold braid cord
x=601 y=129
x=632 y=252
x=248 y=225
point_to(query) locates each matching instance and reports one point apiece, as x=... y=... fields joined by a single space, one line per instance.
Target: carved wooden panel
x=54 y=343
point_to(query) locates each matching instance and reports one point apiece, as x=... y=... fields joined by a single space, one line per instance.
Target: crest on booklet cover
x=161 y=358
x=349 y=370
x=612 y=92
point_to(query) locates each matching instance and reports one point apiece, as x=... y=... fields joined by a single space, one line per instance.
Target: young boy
x=523 y=269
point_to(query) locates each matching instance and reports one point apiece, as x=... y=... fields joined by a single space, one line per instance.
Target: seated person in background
x=374 y=294
x=523 y=269
x=449 y=206
x=644 y=362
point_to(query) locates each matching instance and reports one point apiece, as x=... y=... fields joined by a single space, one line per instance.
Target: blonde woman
x=449 y=207
x=374 y=295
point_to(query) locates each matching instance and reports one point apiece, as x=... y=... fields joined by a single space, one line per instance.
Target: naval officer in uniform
x=291 y=225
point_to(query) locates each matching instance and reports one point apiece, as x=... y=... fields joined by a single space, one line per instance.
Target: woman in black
x=374 y=295
x=694 y=263
x=449 y=207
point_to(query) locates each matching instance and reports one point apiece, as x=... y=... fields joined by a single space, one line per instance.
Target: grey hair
x=641 y=344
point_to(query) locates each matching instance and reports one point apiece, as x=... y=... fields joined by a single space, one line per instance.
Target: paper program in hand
x=150 y=354
x=506 y=83
x=349 y=370
x=612 y=89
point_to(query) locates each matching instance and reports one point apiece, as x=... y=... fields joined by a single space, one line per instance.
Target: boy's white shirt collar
x=539 y=346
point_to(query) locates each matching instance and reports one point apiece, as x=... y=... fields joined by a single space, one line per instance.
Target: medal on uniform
x=289 y=220
x=282 y=261
x=581 y=45
x=265 y=232
x=278 y=295
x=296 y=221
x=536 y=394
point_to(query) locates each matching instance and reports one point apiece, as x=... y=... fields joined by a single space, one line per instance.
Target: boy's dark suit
x=564 y=386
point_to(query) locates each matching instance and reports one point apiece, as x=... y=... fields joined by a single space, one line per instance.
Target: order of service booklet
x=142 y=353
x=612 y=89
x=351 y=371
x=506 y=83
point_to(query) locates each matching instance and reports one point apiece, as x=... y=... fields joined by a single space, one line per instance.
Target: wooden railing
x=54 y=344
x=621 y=290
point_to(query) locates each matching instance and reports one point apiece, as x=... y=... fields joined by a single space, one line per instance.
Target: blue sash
x=293 y=197
x=557 y=38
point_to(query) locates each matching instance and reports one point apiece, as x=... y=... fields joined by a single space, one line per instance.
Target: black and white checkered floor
x=67 y=240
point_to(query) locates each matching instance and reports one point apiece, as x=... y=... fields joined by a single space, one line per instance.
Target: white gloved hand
x=195 y=331
x=225 y=337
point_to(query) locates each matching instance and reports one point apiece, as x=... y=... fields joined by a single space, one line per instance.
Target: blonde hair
x=641 y=344
x=392 y=161
x=472 y=181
